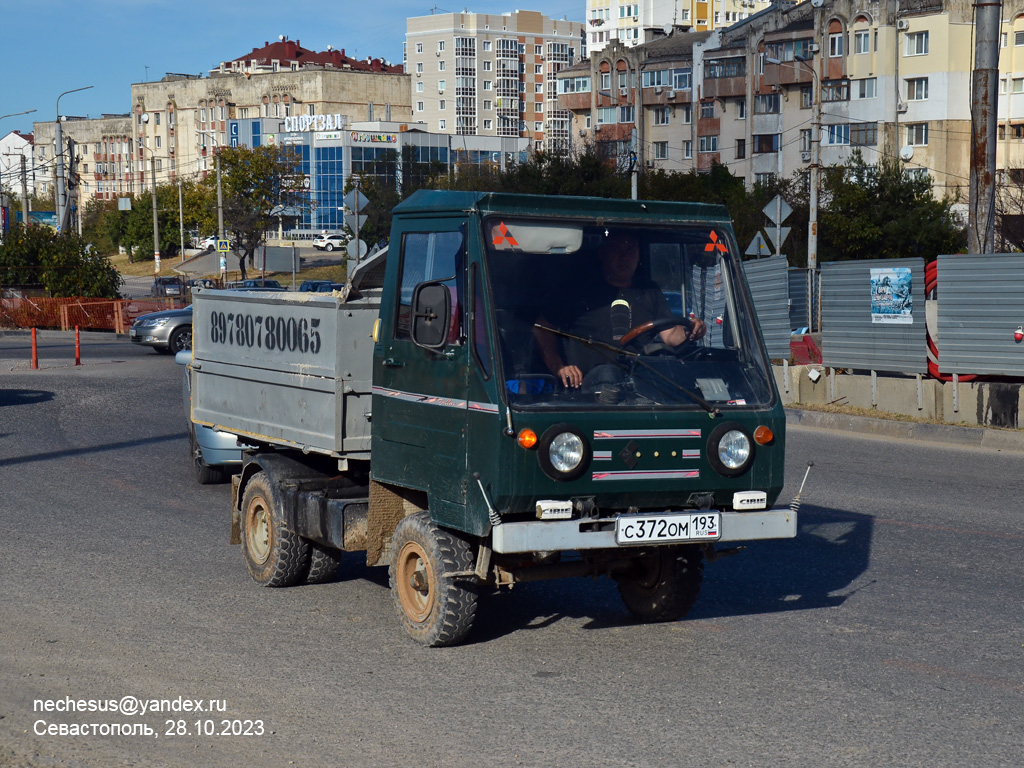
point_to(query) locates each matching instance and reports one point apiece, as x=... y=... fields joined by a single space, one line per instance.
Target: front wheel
x=435 y=608
x=329 y=247
x=275 y=554
x=664 y=584
x=180 y=340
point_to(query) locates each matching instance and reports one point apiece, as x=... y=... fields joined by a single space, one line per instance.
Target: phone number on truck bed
x=284 y=334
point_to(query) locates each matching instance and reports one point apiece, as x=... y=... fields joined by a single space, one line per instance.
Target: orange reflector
x=763 y=435
x=527 y=438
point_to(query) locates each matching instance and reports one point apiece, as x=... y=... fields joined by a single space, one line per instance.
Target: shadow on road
x=24 y=396
x=68 y=452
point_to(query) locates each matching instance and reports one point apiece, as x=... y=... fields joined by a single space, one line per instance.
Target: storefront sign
x=315 y=122
x=378 y=138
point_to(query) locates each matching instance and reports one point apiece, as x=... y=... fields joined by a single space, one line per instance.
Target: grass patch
x=144 y=268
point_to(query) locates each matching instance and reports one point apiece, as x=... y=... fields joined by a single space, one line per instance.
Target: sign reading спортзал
x=331 y=122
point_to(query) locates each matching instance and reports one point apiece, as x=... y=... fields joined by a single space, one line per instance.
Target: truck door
x=420 y=403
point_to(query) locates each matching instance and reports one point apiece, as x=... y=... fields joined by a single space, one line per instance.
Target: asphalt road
x=890 y=632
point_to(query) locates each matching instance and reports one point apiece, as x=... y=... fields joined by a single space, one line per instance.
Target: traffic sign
x=355 y=247
x=777 y=210
x=758 y=247
x=355 y=221
x=781 y=232
x=355 y=201
x=223 y=246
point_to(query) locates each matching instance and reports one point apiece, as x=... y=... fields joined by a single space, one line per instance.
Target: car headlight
x=156 y=322
x=730 y=449
x=563 y=452
x=566 y=451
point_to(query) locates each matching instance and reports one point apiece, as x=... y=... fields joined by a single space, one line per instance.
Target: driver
x=604 y=309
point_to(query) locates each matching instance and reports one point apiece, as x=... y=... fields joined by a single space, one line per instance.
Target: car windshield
x=609 y=304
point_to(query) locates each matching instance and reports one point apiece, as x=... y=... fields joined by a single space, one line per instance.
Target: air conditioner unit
x=657 y=89
x=670 y=95
x=901 y=107
x=419 y=74
x=902 y=25
x=805 y=156
x=597 y=129
x=636 y=19
x=650 y=163
x=813 y=47
x=437 y=53
x=623 y=91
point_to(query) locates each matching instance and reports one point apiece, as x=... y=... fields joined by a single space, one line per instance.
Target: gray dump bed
x=285 y=368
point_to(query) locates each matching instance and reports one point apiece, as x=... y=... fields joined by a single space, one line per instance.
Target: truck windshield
x=593 y=315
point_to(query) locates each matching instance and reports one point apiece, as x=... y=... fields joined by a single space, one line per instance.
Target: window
x=441 y=65
x=917 y=174
x=805 y=139
x=686 y=113
x=487 y=45
x=488 y=105
x=866 y=88
x=661 y=150
x=538 y=50
x=538 y=87
x=419 y=47
x=419 y=86
x=835 y=44
x=688 y=150
x=861 y=42
x=835 y=90
x=707 y=109
x=917 y=89
x=917 y=44
x=487 y=66
x=440 y=125
x=442 y=104
x=660 y=115
x=606 y=115
x=766 y=142
x=836 y=134
x=442 y=85
x=764 y=179
x=626 y=114
x=419 y=106
x=682 y=79
x=731 y=67
x=606 y=80
x=767 y=104
x=440 y=45
x=864 y=134
x=487 y=85
x=708 y=144
x=538 y=126
x=419 y=68
x=741 y=148
x=488 y=125
x=1018 y=38
x=159 y=142
x=538 y=69
x=917 y=134
x=806 y=97
x=426 y=256
x=741 y=109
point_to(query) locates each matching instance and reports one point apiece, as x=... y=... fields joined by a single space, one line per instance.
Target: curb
x=976 y=437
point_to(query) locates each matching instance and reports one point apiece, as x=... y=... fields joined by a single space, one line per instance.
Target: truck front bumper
x=564 y=535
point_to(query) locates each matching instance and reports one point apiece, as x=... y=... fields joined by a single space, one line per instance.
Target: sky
x=51 y=46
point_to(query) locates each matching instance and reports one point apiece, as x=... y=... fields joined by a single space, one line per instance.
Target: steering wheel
x=652 y=327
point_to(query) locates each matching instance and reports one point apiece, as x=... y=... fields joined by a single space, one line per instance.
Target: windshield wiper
x=604 y=346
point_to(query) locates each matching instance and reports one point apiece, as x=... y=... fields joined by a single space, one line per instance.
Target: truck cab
x=558 y=386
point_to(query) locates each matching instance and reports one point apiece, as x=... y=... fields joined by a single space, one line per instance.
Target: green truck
x=519 y=387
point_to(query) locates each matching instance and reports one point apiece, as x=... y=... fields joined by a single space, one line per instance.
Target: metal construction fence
x=66 y=314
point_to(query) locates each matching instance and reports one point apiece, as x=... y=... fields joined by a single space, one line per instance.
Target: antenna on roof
x=282 y=38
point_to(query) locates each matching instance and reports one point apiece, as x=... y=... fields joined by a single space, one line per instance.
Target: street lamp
x=60 y=192
x=152 y=187
x=15 y=114
x=220 y=197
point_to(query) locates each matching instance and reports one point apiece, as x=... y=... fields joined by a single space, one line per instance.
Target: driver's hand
x=571 y=376
x=697 y=329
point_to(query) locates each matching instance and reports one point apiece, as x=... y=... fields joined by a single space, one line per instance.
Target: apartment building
x=492 y=74
x=98 y=163
x=633 y=22
x=14 y=146
x=845 y=75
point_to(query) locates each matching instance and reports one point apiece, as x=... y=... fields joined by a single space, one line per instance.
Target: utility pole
x=812 y=223
x=24 y=191
x=156 y=224
x=181 y=220
x=981 y=212
x=60 y=191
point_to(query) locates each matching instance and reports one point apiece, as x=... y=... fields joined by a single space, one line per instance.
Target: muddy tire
x=665 y=584
x=323 y=563
x=435 y=609
x=275 y=554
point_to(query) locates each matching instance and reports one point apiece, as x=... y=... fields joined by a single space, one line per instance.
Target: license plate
x=663 y=529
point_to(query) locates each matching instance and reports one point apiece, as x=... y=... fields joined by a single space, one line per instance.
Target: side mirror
x=431 y=315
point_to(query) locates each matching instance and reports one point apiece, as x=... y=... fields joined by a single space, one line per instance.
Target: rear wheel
x=664 y=584
x=275 y=554
x=323 y=563
x=435 y=609
x=329 y=247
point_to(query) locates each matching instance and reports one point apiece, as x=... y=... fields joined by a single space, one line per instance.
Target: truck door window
x=430 y=256
x=481 y=351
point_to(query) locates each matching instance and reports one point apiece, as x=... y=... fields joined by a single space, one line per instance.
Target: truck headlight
x=563 y=452
x=730 y=449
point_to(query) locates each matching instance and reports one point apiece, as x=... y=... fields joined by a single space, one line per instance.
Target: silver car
x=214 y=455
x=168 y=331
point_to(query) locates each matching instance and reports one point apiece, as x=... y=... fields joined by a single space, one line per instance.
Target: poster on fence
x=891 y=299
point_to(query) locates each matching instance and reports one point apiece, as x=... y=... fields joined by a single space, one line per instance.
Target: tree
x=884 y=213
x=253 y=182
x=1010 y=209
x=62 y=264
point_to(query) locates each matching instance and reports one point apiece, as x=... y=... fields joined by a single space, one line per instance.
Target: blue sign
x=233 y=129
